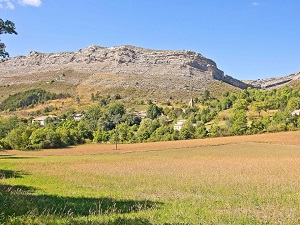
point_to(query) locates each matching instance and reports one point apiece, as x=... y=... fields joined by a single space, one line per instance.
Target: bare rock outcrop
x=273 y=82
x=126 y=66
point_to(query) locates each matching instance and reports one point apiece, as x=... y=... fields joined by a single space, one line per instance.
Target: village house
x=296 y=112
x=142 y=114
x=42 y=119
x=179 y=124
x=77 y=116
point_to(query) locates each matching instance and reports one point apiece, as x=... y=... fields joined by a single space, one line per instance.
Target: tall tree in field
x=6 y=27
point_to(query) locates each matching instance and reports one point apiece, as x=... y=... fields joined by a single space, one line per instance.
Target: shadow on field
x=6 y=174
x=117 y=221
x=122 y=221
x=16 y=157
x=21 y=201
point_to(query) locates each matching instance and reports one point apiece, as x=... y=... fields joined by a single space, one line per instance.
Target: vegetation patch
x=109 y=119
x=28 y=98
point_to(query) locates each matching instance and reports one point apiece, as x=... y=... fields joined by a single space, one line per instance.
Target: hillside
x=144 y=72
x=274 y=82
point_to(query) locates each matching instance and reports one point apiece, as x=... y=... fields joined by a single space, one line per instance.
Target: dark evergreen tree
x=6 y=27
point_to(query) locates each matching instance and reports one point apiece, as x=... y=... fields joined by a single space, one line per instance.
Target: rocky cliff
x=273 y=82
x=127 y=65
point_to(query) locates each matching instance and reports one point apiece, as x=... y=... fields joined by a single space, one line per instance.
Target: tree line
x=250 y=111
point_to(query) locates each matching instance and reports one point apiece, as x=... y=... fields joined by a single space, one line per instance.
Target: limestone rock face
x=127 y=66
x=273 y=82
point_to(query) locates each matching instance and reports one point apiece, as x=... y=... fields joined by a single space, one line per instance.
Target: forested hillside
x=28 y=98
x=108 y=120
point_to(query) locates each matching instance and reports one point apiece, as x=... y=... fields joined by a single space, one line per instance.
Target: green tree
x=146 y=128
x=133 y=119
x=259 y=106
x=163 y=133
x=205 y=96
x=257 y=126
x=93 y=97
x=125 y=133
x=113 y=114
x=101 y=136
x=116 y=108
x=29 y=98
x=293 y=104
x=174 y=113
x=244 y=94
x=240 y=104
x=153 y=111
x=8 y=124
x=91 y=118
x=187 y=131
x=46 y=137
x=18 y=138
x=226 y=103
x=237 y=122
x=201 y=130
x=6 y=27
x=214 y=130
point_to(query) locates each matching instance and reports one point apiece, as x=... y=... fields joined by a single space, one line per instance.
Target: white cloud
x=35 y=3
x=6 y=4
x=256 y=4
x=10 y=4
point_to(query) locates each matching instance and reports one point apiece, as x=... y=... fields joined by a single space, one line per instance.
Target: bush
x=276 y=127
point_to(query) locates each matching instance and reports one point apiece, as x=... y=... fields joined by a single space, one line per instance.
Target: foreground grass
x=233 y=183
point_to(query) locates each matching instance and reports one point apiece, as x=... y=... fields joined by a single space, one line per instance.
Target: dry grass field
x=232 y=180
x=285 y=138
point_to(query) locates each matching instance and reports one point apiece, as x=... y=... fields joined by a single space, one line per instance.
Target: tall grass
x=245 y=183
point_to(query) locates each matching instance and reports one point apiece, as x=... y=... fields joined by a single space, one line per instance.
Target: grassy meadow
x=232 y=180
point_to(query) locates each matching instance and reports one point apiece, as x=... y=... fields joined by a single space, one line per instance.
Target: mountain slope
x=123 y=67
x=274 y=82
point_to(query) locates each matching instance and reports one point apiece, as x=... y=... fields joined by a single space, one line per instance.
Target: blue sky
x=247 y=39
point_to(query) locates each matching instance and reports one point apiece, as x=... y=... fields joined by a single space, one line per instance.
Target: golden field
x=285 y=138
x=231 y=180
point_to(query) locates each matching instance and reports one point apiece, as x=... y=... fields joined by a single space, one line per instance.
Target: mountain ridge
x=120 y=59
x=124 y=66
x=267 y=83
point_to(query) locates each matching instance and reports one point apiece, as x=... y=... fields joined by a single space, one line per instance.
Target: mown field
x=232 y=180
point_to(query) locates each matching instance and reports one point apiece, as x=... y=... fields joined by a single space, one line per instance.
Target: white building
x=179 y=124
x=142 y=114
x=42 y=119
x=77 y=117
x=191 y=103
x=296 y=112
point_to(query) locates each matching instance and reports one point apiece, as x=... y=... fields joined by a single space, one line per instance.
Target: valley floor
x=231 y=180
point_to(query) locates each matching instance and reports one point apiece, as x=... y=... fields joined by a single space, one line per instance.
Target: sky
x=247 y=39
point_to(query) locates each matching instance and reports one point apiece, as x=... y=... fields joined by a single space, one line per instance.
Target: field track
x=284 y=138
